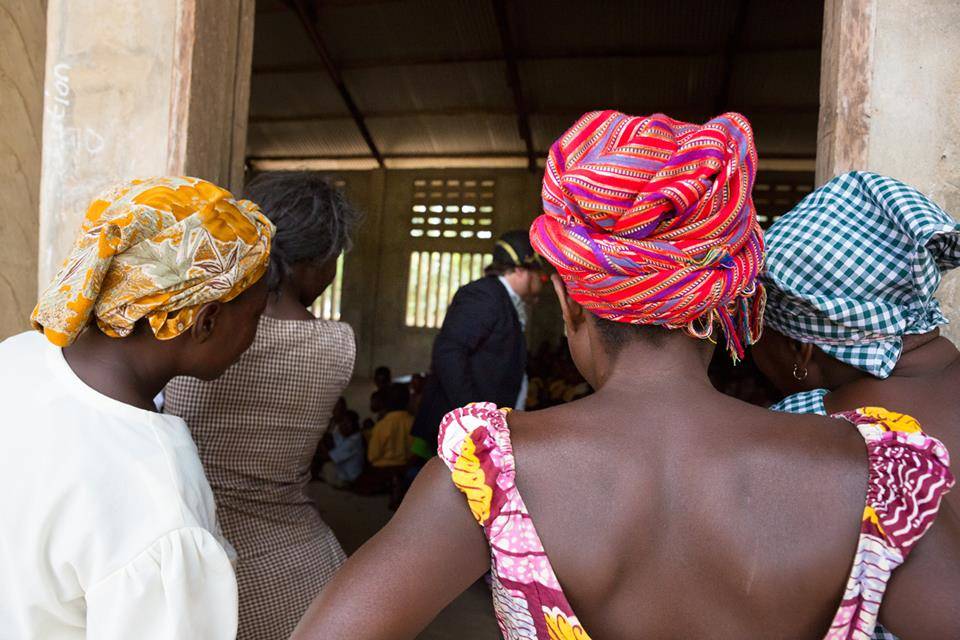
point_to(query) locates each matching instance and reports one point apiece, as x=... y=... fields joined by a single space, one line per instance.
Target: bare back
x=741 y=524
x=673 y=512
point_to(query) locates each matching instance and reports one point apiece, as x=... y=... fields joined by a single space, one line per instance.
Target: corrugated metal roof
x=783 y=24
x=438 y=134
x=429 y=77
x=790 y=79
x=430 y=87
x=404 y=29
x=785 y=135
x=288 y=94
x=279 y=39
x=305 y=139
x=574 y=27
x=639 y=84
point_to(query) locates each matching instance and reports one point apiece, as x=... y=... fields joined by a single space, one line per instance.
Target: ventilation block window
x=327 y=306
x=433 y=278
x=451 y=208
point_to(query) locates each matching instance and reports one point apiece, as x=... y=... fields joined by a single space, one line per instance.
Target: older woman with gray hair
x=258 y=426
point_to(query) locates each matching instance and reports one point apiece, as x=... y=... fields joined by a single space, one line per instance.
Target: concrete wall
x=136 y=89
x=108 y=109
x=890 y=101
x=915 y=115
x=915 y=97
x=22 y=42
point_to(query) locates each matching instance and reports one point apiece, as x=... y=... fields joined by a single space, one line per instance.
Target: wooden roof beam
x=513 y=80
x=729 y=55
x=306 y=11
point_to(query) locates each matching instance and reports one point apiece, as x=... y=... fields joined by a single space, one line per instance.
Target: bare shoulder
x=805 y=441
x=560 y=425
x=529 y=422
x=934 y=400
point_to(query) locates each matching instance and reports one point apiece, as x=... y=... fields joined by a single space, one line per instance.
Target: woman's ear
x=206 y=321
x=804 y=353
x=573 y=313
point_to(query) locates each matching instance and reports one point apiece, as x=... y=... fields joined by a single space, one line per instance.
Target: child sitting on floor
x=346 y=454
x=390 y=441
x=388 y=451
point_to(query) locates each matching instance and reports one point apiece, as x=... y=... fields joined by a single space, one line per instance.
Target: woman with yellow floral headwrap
x=109 y=527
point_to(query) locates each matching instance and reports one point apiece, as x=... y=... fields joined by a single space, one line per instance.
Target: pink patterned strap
x=908 y=478
x=474 y=443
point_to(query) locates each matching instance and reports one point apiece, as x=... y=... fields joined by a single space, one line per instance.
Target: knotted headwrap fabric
x=855 y=266
x=156 y=249
x=650 y=220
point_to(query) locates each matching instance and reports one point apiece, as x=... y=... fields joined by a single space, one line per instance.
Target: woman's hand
x=428 y=554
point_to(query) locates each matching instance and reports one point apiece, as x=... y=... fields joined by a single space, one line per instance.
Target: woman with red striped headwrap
x=663 y=508
x=650 y=221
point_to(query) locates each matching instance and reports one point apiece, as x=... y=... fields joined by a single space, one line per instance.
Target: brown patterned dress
x=257 y=428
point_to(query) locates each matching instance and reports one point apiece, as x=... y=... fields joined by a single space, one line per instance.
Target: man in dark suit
x=480 y=354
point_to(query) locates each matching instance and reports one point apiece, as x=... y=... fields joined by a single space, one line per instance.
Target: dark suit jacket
x=480 y=355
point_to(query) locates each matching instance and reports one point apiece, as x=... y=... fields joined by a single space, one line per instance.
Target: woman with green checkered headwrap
x=851 y=318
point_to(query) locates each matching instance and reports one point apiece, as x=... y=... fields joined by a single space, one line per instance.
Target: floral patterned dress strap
x=528 y=601
x=908 y=477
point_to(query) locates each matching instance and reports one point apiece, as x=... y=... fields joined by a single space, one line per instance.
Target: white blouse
x=107 y=524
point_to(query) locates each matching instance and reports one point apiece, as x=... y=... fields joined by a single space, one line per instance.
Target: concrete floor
x=354 y=519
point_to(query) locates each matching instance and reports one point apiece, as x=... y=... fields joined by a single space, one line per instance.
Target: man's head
x=350 y=424
x=515 y=260
x=398 y=397
x=382 y=377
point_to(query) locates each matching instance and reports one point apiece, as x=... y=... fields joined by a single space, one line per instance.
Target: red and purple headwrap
x=650 y=220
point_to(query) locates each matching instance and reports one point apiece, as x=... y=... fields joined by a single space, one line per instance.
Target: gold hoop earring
x=799 y=373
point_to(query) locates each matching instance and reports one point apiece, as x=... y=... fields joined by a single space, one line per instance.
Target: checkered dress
x=854 y=267
x=256 y=429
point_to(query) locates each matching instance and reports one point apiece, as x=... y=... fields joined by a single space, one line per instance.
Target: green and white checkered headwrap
x=854 y=267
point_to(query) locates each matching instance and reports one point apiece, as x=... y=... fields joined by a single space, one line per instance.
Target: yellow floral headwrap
x=156 y=249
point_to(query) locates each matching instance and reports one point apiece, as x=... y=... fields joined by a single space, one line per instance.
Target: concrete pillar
x=890 y=101
x=22 y=36
x=134 y=89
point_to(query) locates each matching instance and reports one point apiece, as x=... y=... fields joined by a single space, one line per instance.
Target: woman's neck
x=132 y=370
x=286 y=303
x=647 y=368
x=922 y=355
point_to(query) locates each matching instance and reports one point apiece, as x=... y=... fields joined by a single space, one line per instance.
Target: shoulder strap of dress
x=908 y=477
x=474 y=443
